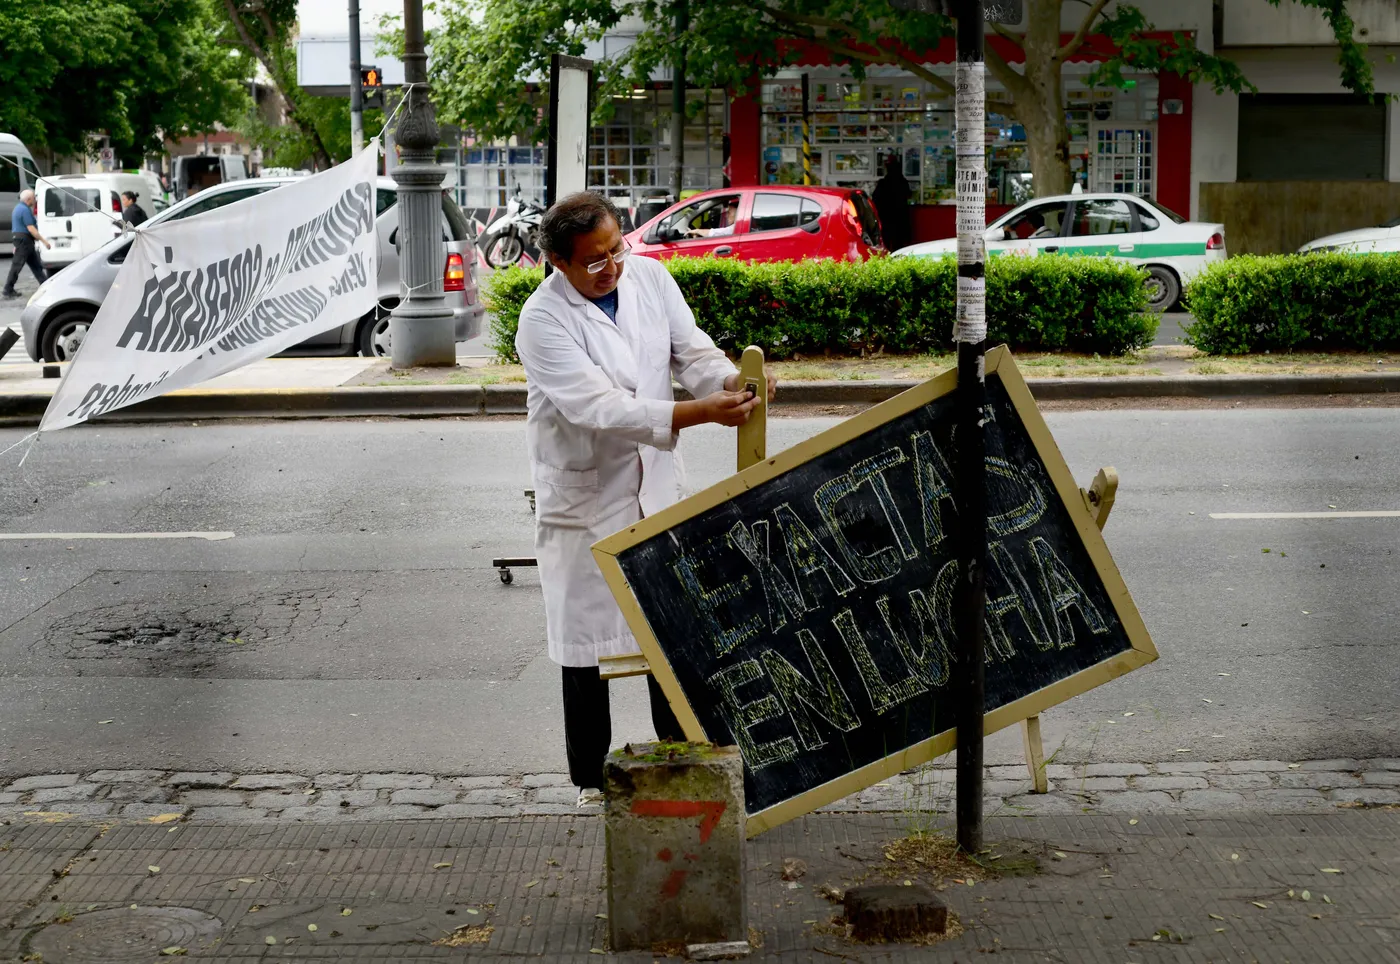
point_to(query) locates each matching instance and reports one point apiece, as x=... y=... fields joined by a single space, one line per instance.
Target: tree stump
x=889 y=912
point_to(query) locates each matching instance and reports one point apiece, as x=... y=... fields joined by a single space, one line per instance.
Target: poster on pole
x=570 y=81
x=803 y=609
x=199 y=297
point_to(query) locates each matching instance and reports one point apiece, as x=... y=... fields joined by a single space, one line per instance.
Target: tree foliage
x=136 y=70
x=486 y=50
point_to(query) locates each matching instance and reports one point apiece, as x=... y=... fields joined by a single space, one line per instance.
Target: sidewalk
x=1109 y=888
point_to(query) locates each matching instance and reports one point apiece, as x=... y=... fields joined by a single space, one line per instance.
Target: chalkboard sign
x=803 y=609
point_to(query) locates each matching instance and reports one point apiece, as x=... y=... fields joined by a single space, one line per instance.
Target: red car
x=778 y=223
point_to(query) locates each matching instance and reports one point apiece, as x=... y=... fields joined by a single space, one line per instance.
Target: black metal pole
x=970 y=333
x=357 y=103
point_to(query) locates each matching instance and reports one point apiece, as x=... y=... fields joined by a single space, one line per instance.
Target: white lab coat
x=599 y=434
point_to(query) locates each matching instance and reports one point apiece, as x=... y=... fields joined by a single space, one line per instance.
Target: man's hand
x=732 y=384
x=722 y=408
x=46 y=243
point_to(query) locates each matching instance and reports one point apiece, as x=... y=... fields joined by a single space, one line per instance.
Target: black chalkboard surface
x=803 y=609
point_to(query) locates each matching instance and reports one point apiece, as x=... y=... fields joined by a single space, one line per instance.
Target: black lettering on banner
x=826 y=697
x=351 y=278
x=332 y=233
x=101 y=397
x=741 y=716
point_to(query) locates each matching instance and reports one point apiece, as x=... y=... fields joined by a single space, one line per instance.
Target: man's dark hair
x=130 y=194
x=576 y=214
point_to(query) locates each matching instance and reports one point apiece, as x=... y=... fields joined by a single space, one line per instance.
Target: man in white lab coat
x=600 y=340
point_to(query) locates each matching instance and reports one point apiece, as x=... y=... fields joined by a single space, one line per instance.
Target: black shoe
x=9 y=294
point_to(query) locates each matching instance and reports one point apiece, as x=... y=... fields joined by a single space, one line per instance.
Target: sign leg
x=753 y=434
x=1035 y=753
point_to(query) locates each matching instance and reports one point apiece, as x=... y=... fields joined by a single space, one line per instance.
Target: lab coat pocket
x=566 y=498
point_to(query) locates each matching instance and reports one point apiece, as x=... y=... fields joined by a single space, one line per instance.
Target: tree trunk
x=1038 y=98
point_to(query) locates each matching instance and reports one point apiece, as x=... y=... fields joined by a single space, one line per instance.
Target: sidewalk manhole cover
x=125 y=934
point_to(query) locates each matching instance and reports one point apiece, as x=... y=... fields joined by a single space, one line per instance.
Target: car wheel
x=374 y=335
x=1163 y=288
x=504 y=249
x=64 y=336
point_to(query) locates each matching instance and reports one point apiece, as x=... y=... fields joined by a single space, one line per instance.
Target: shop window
x=780 y=212
x=1094 y=218
x=1311 y=137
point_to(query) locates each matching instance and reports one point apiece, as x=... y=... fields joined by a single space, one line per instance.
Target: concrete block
x=1212 y=800
x=1255 y=766
x=1315 y=780
x=144 y=811
x=477 y=810
x=339 y=799
x=1341 y=766
x=487 y=783
x=563 y=796
x=1383 y=764
x=542 y=780
x=279 y=800
x=1095 y=784
x=675 y=845
x=397 y=812
x=213 y=798
x=8 y=797
x=1291 y=801
x=137 y=793
x=1241 y=781
x=125 y=776
x=890 y=912
x=426 y=798
x=1174 y=768
x=500 y=797
x=334 y=781
x=1381 y=778
x=45 y=782
x=197 y=780
x=1115 y=770
x=78 y=791
x=270 y=781
x=396 y=781
x=226 y=815
x=1373 y=796
x=76 y=808
x=1136 y=802
x=1170 y=783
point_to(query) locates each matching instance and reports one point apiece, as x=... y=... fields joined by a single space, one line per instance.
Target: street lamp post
x=421 y=328
x=357 y=105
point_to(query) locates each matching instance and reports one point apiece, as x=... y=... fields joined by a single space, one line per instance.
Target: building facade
x=1294 y=159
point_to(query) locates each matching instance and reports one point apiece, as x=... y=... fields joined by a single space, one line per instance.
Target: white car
x=1172 y=249
x=1383 y=239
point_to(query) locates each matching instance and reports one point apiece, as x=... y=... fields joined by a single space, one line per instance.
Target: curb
x=438 y=401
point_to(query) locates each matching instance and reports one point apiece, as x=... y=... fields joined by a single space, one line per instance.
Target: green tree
x=135 y=70
x=485 y=48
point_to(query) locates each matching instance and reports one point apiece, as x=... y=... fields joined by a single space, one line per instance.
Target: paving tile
x=346 y=798
x=1316 y=780
x=43 y=782
x=227 y=815
x=334 y=781
x=427 y=798
x=491 y=783
x=535 y=780
x=126 y=776
x=1213 y=800
x=1116 y=770
x=201 y=780
x=146 y=810
x=557 y=795
x=1169 y=783
x=396 y=781
x=1381 y=778
x=500 y=797
x=77 y=791
x=213 y=798
x=137 y=793
x=1371 y=795
x=1345 y=766
x=279 y=800
x=270 y=781
x=1241 y=781
x=1136 y=801
x=1255 y=766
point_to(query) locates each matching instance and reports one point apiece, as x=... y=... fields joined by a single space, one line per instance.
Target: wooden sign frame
x=1000 y=363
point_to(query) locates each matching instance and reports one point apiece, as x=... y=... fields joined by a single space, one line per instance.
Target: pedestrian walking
x=891 y=199
x=132 y=212
x=25 y=227
x=599 y=340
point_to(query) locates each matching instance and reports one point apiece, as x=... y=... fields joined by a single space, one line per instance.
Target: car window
x=220 y=199
x=384 y=199
x=1099 y=217
x=30 y=171
x=9 y=173
x=1147 y=221
x=1038 y=221
x=777 y=212
x=64 y=202
x=712 y=217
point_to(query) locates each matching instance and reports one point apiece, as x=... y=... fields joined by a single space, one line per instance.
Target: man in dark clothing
x=891 y=199
x=26 y=231
x=131 y=211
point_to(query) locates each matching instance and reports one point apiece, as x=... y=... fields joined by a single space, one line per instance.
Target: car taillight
x=116 y=205
x=1216 y=242
x=853 y=218
x=454 y=275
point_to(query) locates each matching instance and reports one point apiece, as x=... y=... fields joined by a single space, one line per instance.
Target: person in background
x=25 y=227
x=599 y=341
x=132 y=212
x=891 y=199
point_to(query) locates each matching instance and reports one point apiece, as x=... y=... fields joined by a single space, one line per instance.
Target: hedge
x=1090 y=305
x=1290 y=302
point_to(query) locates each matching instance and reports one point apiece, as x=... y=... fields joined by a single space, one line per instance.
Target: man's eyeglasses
x=616 y=257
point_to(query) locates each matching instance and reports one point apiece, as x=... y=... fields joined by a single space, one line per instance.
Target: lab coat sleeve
x=560 y=367
x=699 y=366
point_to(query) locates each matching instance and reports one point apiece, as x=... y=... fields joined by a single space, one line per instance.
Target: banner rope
x=59 y=187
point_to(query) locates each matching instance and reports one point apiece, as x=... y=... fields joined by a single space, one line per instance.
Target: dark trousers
x=25 y=253
x=588 y=722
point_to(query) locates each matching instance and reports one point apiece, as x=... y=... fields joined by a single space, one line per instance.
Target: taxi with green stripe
x=1172 y=249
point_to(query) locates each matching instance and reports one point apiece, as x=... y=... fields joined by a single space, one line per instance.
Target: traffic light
x=372 y=85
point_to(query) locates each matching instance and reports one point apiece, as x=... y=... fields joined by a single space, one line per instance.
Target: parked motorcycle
x=504 y=241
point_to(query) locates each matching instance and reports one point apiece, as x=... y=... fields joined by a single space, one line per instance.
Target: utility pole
x=678 y=100
x=420 y=328
x=970 y=471
x=357 y=103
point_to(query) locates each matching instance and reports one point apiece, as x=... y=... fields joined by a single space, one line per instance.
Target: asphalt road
x=353 y=623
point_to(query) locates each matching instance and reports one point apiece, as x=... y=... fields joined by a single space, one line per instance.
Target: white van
x=79 y=213
x=18 y=172
x=199 y=171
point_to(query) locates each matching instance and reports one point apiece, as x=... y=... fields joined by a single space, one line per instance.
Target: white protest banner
x=200 y=297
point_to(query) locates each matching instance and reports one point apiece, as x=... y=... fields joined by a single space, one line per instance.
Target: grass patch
x=1296 y=363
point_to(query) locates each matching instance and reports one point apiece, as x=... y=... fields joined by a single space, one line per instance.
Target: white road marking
x=73 y=536
x=1370 y=514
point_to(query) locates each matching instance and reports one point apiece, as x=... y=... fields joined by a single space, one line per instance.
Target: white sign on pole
x=571 y=156
x=200 y=297
x=970 y=103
